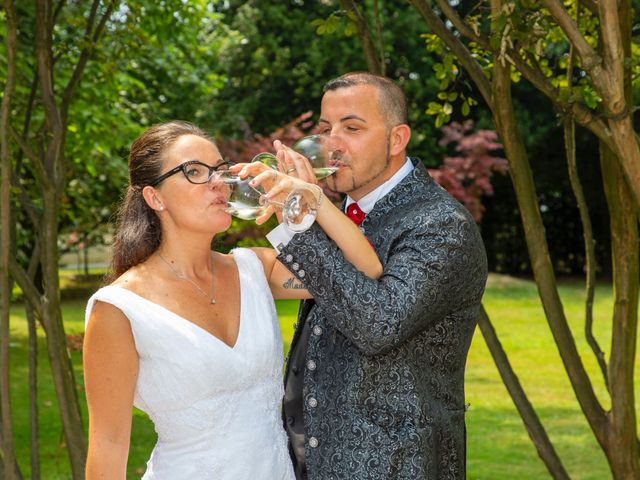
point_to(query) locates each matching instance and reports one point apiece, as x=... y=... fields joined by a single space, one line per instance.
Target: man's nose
x=335 y=145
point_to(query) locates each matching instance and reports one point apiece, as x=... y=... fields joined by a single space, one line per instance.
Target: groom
x=374 y=384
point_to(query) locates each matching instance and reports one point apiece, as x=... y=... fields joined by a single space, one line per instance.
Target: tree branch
x=57 y=11
x=461 y=25
x=376 y=13
x=368 y=46
x=589 y=245
x=27 y=204
x=590 y=58
x=583 y=115
x=90 y=40
x=35 y=160
x=589 y=242
x=26 y=285
x=437 y=26
x=611 y=41
x=530 y=418
x=43 y=54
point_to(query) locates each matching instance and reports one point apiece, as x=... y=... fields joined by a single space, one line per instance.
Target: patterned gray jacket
x=378 y=365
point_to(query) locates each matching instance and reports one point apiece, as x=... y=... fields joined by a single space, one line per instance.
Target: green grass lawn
x=498 y=445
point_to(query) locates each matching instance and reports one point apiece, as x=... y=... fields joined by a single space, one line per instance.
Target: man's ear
x=400 y=135
x=152 y=197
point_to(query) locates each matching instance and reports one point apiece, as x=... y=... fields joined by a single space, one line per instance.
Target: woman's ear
x=400 y=135
x=152 y=197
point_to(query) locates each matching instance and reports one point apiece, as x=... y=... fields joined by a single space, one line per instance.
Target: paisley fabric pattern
x=383 y=371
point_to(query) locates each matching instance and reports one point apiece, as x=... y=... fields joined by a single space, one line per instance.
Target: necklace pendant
x=213 y=301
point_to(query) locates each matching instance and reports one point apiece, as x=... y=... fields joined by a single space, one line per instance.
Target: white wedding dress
x=216 y=409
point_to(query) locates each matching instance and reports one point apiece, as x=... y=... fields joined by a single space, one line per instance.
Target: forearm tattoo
x=293 y=284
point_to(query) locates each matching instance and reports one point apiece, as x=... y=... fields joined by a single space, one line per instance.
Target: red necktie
x=355 y=213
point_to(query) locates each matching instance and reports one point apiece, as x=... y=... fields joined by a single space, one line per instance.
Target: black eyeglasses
x=194 y=170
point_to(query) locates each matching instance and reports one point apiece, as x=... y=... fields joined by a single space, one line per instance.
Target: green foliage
x=528 y=30
x=276 y=70
x=338 y=20
x=155 y=61
x=451 y=87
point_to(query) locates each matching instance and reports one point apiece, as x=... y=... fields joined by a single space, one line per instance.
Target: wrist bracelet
x=320 y=197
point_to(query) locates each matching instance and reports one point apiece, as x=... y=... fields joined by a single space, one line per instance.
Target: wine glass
x=318 y=149
x=247 y=202
x=244 y=201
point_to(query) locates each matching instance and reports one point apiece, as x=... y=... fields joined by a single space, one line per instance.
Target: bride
x=189 y=335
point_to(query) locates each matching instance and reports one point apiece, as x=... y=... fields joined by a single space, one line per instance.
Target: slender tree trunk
x=589 y=244
x=8 y=454
x=33 y=393
x=85 y=258
x=61 y=367
x=627 y=141
x=53 y=166
x=532 y=423
x=625 y=262
x=622 y=449
x=623 y=212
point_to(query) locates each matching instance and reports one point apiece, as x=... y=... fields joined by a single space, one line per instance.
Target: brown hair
x=138 y=231
x=392 y=101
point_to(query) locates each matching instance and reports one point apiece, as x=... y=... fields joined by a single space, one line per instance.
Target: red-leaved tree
x=467 y=176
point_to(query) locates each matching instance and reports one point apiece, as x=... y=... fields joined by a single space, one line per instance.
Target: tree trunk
x=529 y=417
x=623 y=212
x=522 y=178
x=85 y=257
x=61 y=367
x=10 y=469
x=33 y=393
x=589 y=242
x=622 y=448
x=53 y=166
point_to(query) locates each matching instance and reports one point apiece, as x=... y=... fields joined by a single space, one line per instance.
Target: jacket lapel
x=413 y=185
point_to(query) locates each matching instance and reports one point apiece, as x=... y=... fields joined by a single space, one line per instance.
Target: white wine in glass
x=245 y=201
x=248 y=203
x=316 y=148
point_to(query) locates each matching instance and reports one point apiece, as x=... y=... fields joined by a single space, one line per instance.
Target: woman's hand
x=294 y=172
x=244 y=170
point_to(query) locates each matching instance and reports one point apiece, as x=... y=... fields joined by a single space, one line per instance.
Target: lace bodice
x=216 y=409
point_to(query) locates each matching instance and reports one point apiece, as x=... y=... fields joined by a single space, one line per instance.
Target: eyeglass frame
x=183 y=166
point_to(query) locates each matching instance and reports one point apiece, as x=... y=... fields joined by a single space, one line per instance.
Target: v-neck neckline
x=195 y=325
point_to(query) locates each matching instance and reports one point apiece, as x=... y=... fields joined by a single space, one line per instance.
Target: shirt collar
x=367 y=202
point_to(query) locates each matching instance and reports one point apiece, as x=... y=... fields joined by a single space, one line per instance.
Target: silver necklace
x=212 y=300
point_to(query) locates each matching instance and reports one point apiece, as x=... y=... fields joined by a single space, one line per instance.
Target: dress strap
x=250 y=268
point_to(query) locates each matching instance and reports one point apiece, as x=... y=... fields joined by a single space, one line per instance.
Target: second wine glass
x=318 y=149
